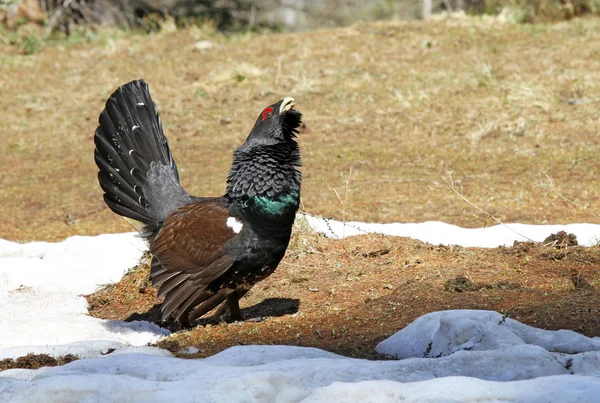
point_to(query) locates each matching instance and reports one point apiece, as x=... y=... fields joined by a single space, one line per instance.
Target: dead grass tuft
x=133 y=298
x=35 y=361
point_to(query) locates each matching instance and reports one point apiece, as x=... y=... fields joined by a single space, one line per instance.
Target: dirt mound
x=561 y=240
x=461 y=283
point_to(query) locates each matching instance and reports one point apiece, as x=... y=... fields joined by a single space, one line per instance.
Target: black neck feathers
x=265 y=171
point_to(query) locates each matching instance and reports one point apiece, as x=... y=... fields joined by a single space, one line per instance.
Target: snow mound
x=439 y=334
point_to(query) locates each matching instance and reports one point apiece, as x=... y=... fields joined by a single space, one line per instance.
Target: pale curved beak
x=286 y=104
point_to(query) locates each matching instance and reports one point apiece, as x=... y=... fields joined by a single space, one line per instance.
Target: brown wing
x=189 y=249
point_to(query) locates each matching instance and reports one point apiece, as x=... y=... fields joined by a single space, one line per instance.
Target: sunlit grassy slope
x=399 y=102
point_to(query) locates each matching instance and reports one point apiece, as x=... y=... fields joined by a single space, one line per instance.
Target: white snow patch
x=79 y=264
x=41 y=288
x=436 y=232
x=295 y=374
x=454 y=389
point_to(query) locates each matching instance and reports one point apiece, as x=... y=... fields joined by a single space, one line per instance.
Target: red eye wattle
x=267 y=113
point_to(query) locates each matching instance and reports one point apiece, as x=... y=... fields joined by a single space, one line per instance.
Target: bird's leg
x=233 y=303
x=184 y=323
x=222 y=309
x=236 y=295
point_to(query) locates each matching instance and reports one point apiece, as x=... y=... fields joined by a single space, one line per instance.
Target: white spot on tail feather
x=234 y=224
x=135 y=127
x=140 y=104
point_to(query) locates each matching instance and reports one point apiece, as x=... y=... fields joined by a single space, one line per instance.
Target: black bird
x=206 y=251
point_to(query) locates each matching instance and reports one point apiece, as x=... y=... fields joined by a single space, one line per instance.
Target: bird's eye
x=267 y=113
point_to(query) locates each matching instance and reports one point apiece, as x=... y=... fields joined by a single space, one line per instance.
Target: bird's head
x=265 y=165
x=277 y=123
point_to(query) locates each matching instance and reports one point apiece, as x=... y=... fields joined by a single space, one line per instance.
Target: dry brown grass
x=35 y=361
x=400 y=102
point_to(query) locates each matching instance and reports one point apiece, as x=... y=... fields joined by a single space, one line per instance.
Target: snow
x=450 y=356
x=295 y=374
x=439 y=233
x=41 y=288
x=444 y=333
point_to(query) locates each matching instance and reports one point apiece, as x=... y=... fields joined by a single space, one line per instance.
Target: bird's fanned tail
x=137 y=172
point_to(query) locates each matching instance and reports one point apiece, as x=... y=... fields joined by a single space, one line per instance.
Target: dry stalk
x=450 y=182
x=347 y=180
x=548 y=185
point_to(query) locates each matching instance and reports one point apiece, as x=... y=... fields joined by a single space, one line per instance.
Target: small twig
x=71 y=219
x=129 y=221
x=450 y=182
x=341 y=201
x=577 y=161
x=329 y=226
x=347 y=180
x=549 y=186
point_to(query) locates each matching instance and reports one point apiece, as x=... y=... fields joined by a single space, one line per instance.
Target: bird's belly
x=259 y=261
x=257 y=258
x=242 y=276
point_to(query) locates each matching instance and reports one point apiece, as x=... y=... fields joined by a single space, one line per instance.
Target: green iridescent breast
x=277 y=205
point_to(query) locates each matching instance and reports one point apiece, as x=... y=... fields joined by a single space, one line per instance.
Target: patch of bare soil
x=347 y=295
x=35 y=361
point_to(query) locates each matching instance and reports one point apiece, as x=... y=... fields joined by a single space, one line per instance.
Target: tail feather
x=137 y=171
x=118 y=199
x=207 y=305
x=117 y=178
x=107 y=146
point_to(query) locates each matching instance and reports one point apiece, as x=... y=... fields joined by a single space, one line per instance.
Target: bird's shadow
x=268 y=307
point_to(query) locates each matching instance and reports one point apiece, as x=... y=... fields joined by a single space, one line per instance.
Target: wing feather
x=190 y=256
